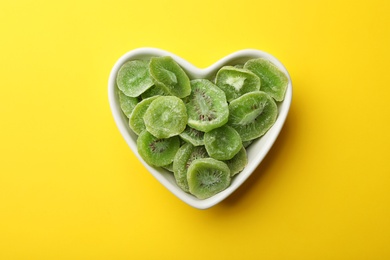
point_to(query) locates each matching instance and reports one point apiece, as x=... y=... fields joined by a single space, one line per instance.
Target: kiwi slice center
x=257 y=109
x=236 y=82
x=209 y=177
x=170 y=77
x=203 y=103
x=158 y=146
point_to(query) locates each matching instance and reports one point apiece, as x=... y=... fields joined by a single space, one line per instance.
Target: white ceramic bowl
x=256 y=151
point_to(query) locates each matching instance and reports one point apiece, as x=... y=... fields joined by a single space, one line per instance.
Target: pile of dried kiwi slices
x=199 y=129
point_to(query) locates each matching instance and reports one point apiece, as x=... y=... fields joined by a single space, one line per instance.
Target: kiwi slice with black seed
x=252 y=114
x=207 y=107
x=157 y=151
x=183 y=159
x=207 y=177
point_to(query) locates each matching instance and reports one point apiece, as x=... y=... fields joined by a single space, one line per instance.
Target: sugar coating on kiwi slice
x=207 y=177
x=134 y=78
x=169 y=76
x=252 y=114
x=186 y=154
x=207 y=107
x=222 y=143
x=273 y=80
x=157 y=151
x=235 y=81
x=127 y=103
x=166 y=116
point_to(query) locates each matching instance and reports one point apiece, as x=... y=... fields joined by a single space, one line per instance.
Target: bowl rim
x=194 y=72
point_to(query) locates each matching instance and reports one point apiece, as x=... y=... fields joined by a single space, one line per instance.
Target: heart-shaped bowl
x=256 y=151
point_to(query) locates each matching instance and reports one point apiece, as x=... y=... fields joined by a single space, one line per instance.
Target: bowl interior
x=256 y=151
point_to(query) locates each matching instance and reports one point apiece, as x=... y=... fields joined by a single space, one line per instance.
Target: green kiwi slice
x=207 y=107
x=157 y=151
x=127 y=103
x=222 y=143
x=235 y=81
x=133 y=78
x=238 y=162
x=252 y=114
x=136 y=121
x=183 y=159
x=207 y=177
x=168 y=75
x=273 y=80
x=193 y=136
x=166 y=116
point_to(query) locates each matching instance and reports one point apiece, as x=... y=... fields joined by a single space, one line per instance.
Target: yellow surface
x=70 y=187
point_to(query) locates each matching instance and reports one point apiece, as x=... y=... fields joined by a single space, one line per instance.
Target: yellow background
x=70 y=187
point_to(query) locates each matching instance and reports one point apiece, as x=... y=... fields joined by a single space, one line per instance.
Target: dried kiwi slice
x=157 y=151
x=235 y=82
x=222 y=143
x=207 y=177
x=252 y=114
x=168 y=75
x=127 y=103
x=133 y=78
x=273 y=80
x=207 y=107
x=183 y=159
x=238 y=162
x=136 y=121
x=166 y=116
